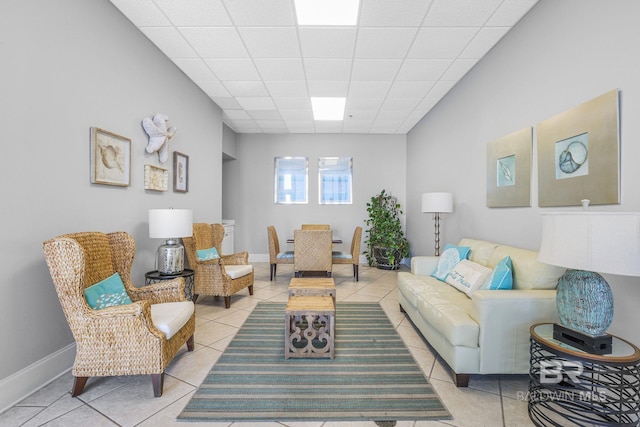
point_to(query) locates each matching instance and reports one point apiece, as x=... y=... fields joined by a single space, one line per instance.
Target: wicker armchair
x=312 y=251
x=316 y=227
x=352 y=257
x=223 y=276
x=275 y=256
x=123 y=339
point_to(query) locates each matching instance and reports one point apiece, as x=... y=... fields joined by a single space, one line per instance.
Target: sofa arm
x=505 y=318
x=424 y=265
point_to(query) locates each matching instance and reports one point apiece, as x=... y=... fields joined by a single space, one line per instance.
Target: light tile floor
x=496 y=400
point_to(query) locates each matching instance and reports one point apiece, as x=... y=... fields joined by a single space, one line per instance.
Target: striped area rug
x=372 y=376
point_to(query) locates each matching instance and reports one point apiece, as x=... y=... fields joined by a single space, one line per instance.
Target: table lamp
x=588 y=243
x=437 y=203
x=170 y=224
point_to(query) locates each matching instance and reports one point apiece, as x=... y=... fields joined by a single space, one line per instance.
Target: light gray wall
x=378 y=162
x=560 y=55
x=66 y=66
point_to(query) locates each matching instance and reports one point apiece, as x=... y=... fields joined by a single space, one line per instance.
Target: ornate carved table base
x=309 y=327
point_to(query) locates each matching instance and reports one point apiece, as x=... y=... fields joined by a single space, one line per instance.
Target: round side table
x=568 y=384
x=155 y=277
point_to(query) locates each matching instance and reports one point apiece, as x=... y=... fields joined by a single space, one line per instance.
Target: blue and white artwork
x=506 y=171
x=572 y=156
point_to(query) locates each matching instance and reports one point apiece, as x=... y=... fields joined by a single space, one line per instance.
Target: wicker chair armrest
x=134 y=318
x=164 y=291
x=238 y=258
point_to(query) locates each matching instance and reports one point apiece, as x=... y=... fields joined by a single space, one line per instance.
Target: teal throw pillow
x=501 y=277
x=107 y=293
x=449 y=258
x=208 y=254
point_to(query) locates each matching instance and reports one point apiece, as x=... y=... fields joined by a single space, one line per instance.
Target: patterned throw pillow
x=468 y=276
x=107 y=293
x=501 y=277
x=451 y=256
x=207 y=254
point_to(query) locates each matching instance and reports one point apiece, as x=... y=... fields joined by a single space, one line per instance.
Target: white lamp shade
x=437 y=202
x=170 y=223
x=602 y=242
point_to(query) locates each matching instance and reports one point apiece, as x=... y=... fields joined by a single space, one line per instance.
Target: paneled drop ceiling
x=261 y=68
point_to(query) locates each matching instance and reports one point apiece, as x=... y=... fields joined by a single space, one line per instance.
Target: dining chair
x=316 y=227
x=352 y=257
x=312 y=251
x=214 y=273
x=275 y=256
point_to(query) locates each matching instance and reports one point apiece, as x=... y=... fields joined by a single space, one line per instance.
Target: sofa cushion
x=170 y=317
x=480 y=250
x=501 y=277
x=468 y=276
x=451 y=256
x=235 y=271
x=107 y=293
x=528 y=272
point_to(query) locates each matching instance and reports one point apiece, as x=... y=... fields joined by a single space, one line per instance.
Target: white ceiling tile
x=246 y=88
x=393 y=115
x=275 y=125
x=423 y=69
x=460 y=13
x=195 y=68
x=384 y=42
x=265 y=115
x=215 y=42
x=300 y=124
x=195 y=13
x=214 y=89
x=236 y=115
x=243 y=125
x=269 y=42
x=142 y=13
x=256 y=103
x=327 y=69
x=287 y=89
x=361 y=115
x=441 y=43
x=459 y=68
x=296 y=115
x=510 y=12
x=170 y=42
x=441 y=88
x=363 y=104
x=233 y=68
x=275 y=69
x=393 y=13
x=322 y=42
x=334 y=89
x=293 y=104
x=385 y=126
x=415 y=116
x=328 y=126
x=375 y=69
x=427 y=104
x=250 y=13
x=396 y=105
x=226 y=103
x=411 y=89
x=483 y=42
x=363 y=89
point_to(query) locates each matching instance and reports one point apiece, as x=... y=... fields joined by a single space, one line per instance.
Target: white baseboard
x=35 y=376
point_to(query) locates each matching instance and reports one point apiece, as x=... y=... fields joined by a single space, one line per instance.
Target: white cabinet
x=227 y=242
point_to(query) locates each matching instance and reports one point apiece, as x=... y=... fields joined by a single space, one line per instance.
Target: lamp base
x=593 y=344
x=170 y=258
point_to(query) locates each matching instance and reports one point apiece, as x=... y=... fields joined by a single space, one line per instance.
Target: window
x=291 y=182
x=334 y=178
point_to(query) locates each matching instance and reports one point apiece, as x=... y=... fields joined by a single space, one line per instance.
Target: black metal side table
x=569 y=385
x=155 y=277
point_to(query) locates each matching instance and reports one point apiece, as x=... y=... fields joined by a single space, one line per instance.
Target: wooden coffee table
x=313 y=286
x=309 y=328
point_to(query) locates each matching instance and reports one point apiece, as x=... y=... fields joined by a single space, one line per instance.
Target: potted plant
x=385 y=238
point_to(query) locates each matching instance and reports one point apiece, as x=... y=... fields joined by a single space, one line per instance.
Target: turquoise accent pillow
x=449 y=258
x=501 y=277
x=107 y=293
x=208 y=254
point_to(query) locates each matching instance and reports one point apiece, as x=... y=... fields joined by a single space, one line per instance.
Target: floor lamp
x=437 y=203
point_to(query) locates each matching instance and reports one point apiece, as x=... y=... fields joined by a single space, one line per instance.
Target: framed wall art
x=156 y=178
x=180 y=172
x=579 y=154
x=110 y=158
x=509 y=170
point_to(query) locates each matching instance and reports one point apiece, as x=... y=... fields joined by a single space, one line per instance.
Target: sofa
x=488 y=331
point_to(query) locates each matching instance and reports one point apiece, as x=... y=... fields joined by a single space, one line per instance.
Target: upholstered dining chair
x=129 y=330
x=275 y=256
x=316 y=227
x=214 y=273
x=312 y=251
x=352 y=257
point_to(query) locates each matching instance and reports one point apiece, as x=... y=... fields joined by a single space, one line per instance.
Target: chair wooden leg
x=227 y=302
x=195 y=297
x=461 y=380
x=158 y=383
x=272 y=271
x=190 y=343
x=355 y=271
x=78 y=385
x=250 y=289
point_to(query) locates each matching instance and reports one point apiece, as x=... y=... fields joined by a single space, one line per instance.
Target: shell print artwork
x=110 y=157
x=159 y=135
x=573 y=157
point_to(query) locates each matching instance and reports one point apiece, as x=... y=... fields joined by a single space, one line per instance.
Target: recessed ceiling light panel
x=327 y=12
x=328 y=108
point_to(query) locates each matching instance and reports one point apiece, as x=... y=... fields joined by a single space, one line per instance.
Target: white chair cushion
x=235 y=271
x=170 y=317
